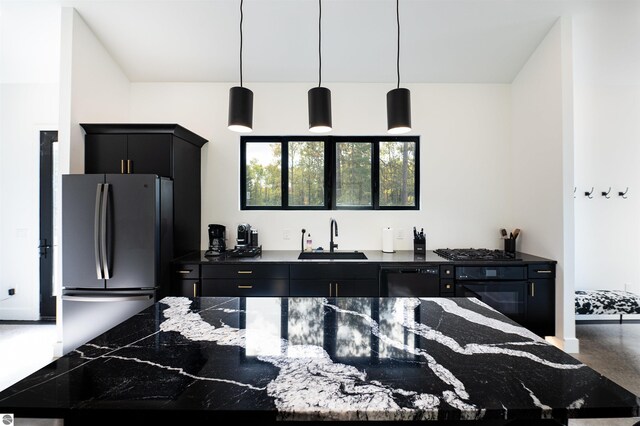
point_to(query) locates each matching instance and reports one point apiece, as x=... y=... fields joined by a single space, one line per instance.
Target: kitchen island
x=184 y=361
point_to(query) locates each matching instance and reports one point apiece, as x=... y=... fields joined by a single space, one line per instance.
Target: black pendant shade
x=399 y=111
x=240 y=109
x=320 y=110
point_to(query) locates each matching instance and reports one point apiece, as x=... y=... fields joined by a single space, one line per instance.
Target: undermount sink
x=321 y=255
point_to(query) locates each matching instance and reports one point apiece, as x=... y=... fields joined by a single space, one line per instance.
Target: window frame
x=330 y=196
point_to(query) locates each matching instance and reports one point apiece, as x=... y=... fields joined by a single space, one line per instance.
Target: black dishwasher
x=397 y=281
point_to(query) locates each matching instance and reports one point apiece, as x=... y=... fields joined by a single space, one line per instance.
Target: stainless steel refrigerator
x=117 y=234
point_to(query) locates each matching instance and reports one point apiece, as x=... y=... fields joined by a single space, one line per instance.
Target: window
x=329 y=173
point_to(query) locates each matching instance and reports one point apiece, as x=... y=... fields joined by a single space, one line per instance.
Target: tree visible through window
x=397 y=173
x=330 y=172
x=263 y=178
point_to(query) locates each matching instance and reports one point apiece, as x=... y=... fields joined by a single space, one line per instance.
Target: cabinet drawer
x=245 y=287
x=446 y=271
x=250 y=270
x=335 y=272
x=541 y=270
x=186 y=271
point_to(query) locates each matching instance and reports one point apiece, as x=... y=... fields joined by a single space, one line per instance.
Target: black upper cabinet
x=167 y=150
x=105 y=154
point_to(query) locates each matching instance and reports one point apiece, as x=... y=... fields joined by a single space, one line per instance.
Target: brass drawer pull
x=544 y=271
x=329 y=289
x=195 y=291
x=184 y=271
x=245 y=286
x=129 y=168
x=245 y=272
x=121 y=167
x=533 y=289
x=337 y=290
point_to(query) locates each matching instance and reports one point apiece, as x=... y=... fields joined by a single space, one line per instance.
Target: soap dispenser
x=309 y=243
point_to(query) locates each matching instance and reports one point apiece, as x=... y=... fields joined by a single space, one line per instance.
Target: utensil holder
x=419 y=247
x=510 y=245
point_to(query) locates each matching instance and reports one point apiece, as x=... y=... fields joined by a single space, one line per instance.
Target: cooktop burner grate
x=475 y=254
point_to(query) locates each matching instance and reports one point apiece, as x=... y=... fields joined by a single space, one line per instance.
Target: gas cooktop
x=475 y=254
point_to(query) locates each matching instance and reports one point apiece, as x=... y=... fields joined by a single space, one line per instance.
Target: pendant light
x=398 y=99
x=319 y=97
x=240 y=99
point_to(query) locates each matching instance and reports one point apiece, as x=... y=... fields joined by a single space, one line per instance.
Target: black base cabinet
x=332 y=280
x=248 y=280
x=535 y=287
x=166 y=150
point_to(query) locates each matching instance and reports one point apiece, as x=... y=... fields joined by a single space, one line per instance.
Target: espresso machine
x=246 y=242
x=217 y=236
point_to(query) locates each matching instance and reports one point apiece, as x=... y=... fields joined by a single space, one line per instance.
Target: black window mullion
x=375 y=175
x=329 y=176
x=243 y=174
x=284 y=173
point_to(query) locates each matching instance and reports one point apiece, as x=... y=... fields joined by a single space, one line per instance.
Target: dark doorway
x=47 y=300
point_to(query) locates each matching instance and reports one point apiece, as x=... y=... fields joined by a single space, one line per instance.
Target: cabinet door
x=541 y=307
x=356 y=288
x=105 y=154
x=186 y=288
x=149 y=154
x=333 y=288
x=310 y=288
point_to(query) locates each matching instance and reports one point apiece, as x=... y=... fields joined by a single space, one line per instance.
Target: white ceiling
x=443 y=41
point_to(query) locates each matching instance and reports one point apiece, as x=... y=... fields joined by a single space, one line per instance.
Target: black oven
x=504 y=288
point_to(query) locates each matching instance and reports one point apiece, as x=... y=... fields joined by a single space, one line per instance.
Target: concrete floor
x=613 y=350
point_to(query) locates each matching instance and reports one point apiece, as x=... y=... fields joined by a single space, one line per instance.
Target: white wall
x=465 y=139
x=93 y=88
x=607 y=147
x=542 y=158
x=29 y=69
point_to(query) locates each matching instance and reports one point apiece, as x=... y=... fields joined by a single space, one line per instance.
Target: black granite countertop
x=377 y=256
x=184 y=361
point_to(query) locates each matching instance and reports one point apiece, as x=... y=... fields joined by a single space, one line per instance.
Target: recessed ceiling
x=442 y=41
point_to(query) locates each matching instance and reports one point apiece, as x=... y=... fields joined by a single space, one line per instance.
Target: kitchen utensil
x=516 y=232
x=503 y=232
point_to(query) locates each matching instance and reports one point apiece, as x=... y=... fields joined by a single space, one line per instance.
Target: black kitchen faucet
x=331 y=244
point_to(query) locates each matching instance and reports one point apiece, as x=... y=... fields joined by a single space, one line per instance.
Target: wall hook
x=575 y=188
x=623 y=194
x=606 y=194
x=589 y=194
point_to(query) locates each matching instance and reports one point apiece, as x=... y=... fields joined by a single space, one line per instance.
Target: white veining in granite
x=547 y=412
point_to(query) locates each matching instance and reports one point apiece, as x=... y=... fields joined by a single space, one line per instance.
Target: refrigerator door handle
x=101 y=299
x=103 y=231
x=96 y=233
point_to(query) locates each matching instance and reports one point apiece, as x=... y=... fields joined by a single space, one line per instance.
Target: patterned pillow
x=607 y=302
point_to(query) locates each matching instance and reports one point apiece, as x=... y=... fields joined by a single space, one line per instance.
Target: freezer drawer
x=86 y=315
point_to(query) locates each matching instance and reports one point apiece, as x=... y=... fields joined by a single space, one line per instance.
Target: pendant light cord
x=319 y=43
x=241 y=19
x=398 y=56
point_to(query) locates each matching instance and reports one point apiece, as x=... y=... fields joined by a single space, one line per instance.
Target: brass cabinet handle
x=533 y=289
x=337 y=290
x=121 y=167
x=245 y=272
x=184 y=271
x=195 y=287
x=329 y=289
x=544 y=271
x=245 y=286
x=129 y=166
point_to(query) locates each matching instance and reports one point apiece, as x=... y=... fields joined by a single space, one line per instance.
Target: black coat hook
x=606 y=194
x=623 y=194
x=589 y=194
